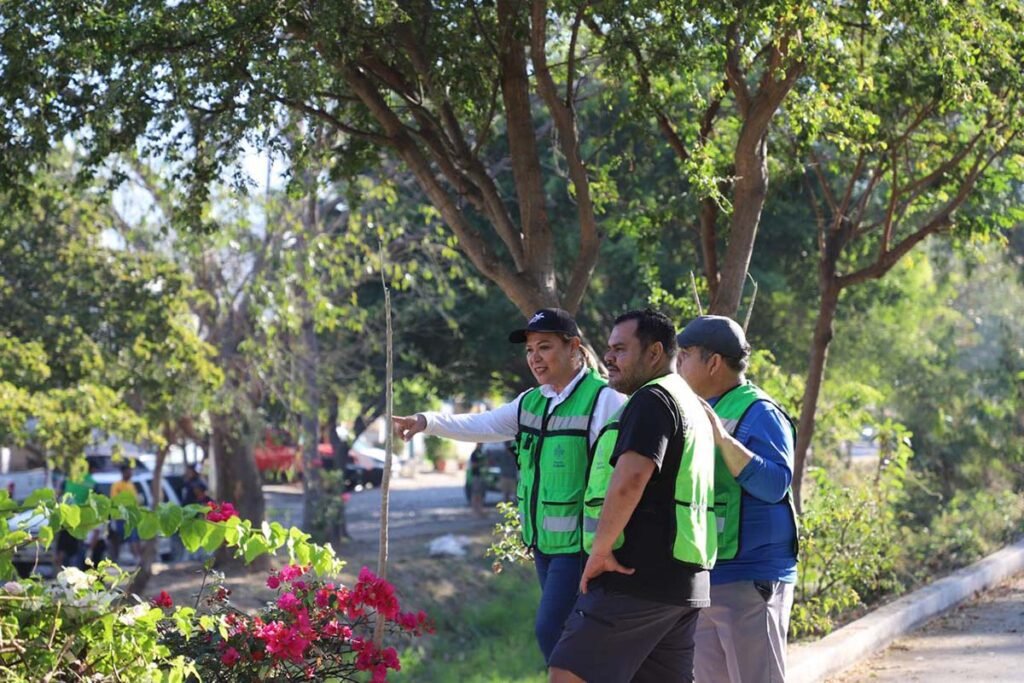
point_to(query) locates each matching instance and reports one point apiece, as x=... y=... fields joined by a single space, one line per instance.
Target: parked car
x=279 y=454
x=34 y=557
x=21 y=483
x=494 y=454
x=367 y=463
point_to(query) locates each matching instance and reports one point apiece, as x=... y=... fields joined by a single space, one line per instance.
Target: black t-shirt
x=652 y=425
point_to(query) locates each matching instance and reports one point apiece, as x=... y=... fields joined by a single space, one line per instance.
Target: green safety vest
x=731 y=408
x=695 y=538
x=80 y=490
x=552 y=451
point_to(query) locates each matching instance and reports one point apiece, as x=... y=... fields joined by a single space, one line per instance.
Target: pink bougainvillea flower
x=230 y=657
x=273 y=582
x=163 y=600
x=288 y=602
x=220 y=512
x=291 y=572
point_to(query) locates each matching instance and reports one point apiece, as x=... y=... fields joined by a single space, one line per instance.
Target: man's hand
x=717 y=428
x=734 y=454
x=598 y=564
x=407 y=427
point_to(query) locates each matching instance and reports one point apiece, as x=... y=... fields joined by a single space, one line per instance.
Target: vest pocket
x=696 y=535
x=559 y=523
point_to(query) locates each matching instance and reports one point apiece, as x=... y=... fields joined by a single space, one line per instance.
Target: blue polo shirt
x=767 y=532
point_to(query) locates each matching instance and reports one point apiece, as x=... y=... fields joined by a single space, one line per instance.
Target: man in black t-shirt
x=636 y=616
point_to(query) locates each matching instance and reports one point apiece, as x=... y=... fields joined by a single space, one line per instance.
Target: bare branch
x=819 y=171
x=328 y=118
x=734 y=73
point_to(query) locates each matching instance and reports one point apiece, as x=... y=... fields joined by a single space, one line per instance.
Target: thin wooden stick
x=696 y=296
x=385 y=486
x=750 y=307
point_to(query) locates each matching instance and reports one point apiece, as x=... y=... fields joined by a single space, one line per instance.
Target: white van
x=33 y=558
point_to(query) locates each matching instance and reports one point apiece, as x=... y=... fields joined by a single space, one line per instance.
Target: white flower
x=75 y=578
x=129 y=617
x=14 y=588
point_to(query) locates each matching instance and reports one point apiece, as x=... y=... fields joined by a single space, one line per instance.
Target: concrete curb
x=813 y=662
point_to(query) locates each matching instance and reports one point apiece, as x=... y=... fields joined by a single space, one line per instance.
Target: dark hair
x=652 y=326
x=737 y=365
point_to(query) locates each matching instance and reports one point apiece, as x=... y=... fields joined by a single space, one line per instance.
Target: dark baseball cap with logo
x=717 y=334
x=546 y=320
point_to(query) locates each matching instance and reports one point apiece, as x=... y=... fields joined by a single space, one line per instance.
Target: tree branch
x=565 y=124
x=538 y=240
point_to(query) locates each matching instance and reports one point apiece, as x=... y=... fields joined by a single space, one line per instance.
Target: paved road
x=980 y=641
x=429 y=504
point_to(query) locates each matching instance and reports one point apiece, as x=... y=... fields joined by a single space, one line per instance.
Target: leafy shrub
x=86 y=626
x=439 y=449
x=508 y=540
x=82 y=627
x=971 y=525
x=850 y=546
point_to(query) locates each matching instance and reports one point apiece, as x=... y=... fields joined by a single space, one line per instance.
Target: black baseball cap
x=546 y=320
x=717 y=334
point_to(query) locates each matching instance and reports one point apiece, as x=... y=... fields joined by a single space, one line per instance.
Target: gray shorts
x=741 y=638
x=616 y=638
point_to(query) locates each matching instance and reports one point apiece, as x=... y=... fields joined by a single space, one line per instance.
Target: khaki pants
x=741 y=638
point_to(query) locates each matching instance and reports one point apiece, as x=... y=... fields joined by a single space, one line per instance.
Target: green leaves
x=193 y=531
x=189 y=522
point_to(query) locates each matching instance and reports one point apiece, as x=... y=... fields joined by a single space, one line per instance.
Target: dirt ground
x=980 y=641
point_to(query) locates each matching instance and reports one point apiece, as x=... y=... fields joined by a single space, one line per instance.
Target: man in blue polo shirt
x=741 y=638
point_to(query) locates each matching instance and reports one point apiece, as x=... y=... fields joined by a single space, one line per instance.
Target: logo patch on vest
x=559 y=459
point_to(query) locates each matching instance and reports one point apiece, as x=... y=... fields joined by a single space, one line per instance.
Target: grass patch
x=485 y=638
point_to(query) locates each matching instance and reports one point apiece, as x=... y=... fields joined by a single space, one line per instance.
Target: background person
x=649 y=530
x=509 y=474
x=554 y=426
x=124 y=487
x=70 y=551
x=742 y=636
x=193 y=488
x=477 y=480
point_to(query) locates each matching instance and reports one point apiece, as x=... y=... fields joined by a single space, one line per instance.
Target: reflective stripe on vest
x=561 y=524
x=695 y=540
x=552 y=449
x=731 y=408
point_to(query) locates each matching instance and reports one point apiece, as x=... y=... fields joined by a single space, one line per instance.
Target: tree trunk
x=748 y=201
x=708 y=244
x=823 y=332
x=238 y=480
x=310 y=426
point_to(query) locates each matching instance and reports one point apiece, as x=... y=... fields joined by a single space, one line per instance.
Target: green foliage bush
x=86 y=626
x=850 y=540
x=971 y=525
x=439 y=449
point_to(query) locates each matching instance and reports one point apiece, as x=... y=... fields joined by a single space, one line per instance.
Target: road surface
x=429 y=504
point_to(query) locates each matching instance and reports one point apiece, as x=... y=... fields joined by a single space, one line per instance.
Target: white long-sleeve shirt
x=502 y=423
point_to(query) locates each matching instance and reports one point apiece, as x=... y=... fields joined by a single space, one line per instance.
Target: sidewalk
x=982 y=640
x=862 y=640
